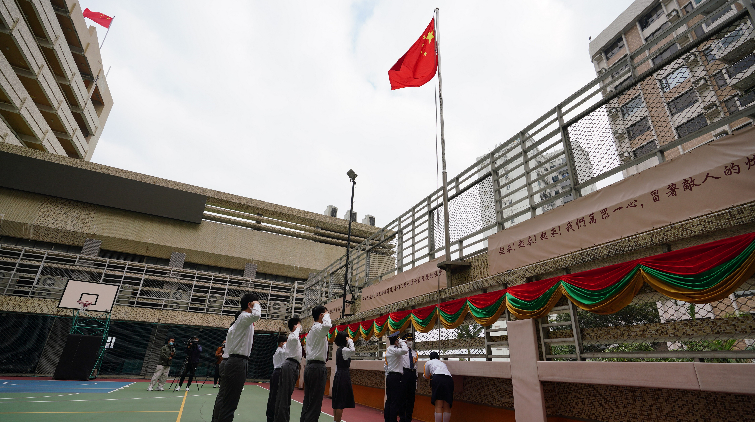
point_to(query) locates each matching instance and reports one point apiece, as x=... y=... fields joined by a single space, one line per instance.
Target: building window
x=638 y=128
x=682 y=102
x=731 y=105
x=614 y=48
x=651 y=17
x=675 y=78
x=666 y=53
x=692 y=125
x=710 y=55
x=657 y=31
x=645 y=149
x=740 y=66
x=688 y=8
x=747 y=98
x=720 y=79
x=632 y=106
x=618 y=72
x=731 y=37
x=717 y=16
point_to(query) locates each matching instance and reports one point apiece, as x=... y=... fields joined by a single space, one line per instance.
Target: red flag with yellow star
x=419 y=64
x=100 y=18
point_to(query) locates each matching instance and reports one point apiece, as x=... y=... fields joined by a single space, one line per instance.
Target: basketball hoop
x=83 y=305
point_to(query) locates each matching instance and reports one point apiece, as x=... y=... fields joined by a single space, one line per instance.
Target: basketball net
x=83 y=305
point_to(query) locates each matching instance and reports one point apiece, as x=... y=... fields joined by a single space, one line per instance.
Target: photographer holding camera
x=193 y=351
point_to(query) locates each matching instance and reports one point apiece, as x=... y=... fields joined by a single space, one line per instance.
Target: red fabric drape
x=425 y=312
x=486 y=299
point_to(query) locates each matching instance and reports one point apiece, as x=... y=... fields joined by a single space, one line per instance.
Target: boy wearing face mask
x=409 y=380
x=161 y=371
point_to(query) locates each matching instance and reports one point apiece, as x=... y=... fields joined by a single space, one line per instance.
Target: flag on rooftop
x=98 y=17
x=418 y=65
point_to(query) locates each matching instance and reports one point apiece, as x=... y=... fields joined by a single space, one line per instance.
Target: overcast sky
x=276 y=100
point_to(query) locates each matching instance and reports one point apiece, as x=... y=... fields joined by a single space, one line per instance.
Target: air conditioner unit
x=369 y=220
x=620 y=134
x=712 y=111
x=702 y=86
x=673 y=15
x=614 y=113
x=331 y=211
x=692 y=60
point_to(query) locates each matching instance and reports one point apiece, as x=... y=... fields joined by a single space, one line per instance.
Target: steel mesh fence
x=31 y=344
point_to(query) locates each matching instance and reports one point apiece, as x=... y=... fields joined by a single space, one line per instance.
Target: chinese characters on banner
x=335 y=307
x=419 y=280
x=718 y=175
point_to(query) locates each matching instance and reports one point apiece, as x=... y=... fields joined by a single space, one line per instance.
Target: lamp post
x=352 y=177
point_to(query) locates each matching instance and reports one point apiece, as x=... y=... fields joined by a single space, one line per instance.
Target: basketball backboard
x=100 y=296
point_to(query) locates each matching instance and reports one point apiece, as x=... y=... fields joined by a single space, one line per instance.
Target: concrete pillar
x=529 y=400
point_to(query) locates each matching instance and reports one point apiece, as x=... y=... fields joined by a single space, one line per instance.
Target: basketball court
x=117 y=401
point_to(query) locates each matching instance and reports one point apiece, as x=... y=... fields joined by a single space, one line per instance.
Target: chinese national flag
x=100 y=18
x=418 y=65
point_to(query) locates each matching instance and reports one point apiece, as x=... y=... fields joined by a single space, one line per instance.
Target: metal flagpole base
x=453 y=266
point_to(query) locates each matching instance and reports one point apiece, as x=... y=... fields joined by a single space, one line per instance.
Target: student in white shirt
x=315 y=373
x=442 y=385
x=394 y=368
x=278 y=358
x=289 y=372
x=238 y=344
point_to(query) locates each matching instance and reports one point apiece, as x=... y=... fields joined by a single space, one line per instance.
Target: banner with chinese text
x=419 y=280
x=710 y=178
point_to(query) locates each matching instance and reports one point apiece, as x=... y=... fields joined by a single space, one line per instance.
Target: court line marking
x=181 y=410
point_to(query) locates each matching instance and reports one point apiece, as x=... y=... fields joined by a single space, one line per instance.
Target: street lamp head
x=351 y=174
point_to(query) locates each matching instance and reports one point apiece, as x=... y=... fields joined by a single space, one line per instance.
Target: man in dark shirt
x=163 y=366
x=193 y=351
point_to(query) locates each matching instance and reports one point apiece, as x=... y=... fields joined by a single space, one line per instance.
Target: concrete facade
x=54 y=96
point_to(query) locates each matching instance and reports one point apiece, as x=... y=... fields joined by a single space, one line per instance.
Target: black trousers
x=315 y=377
x=274 y=381
x=288 y=377
x=231 y=383
x=189 y=369
x=409 y=385
x=217 y=373
x=393 y=391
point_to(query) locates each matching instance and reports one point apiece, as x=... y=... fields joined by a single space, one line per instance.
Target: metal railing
x=580 y=142
x=43 y=274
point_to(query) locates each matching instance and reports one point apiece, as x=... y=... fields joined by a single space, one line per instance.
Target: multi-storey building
x=712 y=81
x=54 y=95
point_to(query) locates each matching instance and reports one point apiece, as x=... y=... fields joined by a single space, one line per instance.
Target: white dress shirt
x=348 y=351
x=292 y=346
x=279 y=357
x=241 y=334
x=407 y=357
x=317 y=340
x=435 y=366
x=394 y=357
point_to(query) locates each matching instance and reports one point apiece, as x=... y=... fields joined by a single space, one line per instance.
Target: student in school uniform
x=394 y=368
x=279 y=357
x=343 y=393
x=442 y=385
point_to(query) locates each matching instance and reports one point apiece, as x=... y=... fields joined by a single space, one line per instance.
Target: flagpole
x=448 y=264
x=107 y=32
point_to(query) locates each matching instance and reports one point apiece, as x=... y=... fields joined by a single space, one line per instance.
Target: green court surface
x=134 y=403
